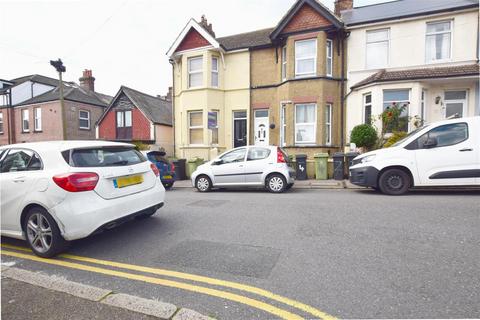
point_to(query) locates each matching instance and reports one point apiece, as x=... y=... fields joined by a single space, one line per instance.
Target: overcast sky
x=124 y=42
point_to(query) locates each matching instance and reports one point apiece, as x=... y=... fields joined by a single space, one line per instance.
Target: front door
x=261 y=127
x=455 y=103
x=239 y=129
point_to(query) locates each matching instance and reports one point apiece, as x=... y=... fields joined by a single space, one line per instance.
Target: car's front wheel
x=42 y=233
x=203 y=183
x=276 y=183
x=394 y=182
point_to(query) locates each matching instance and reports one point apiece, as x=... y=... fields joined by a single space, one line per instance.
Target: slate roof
x=37 y=78
x=157 y=110
x=402 y=9
x=71 y=92
x=251 y=39
x=417 y=74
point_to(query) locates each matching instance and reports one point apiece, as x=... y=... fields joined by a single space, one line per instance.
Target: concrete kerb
x=155 y=308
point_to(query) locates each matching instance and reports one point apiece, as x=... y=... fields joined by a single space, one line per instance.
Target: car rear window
x=103 y=157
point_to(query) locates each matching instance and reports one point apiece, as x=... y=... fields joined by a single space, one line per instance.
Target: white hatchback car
x=445 y=153
x=54 y=192
x=249 y=166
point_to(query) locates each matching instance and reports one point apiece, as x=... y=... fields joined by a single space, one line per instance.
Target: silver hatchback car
x=249 y=166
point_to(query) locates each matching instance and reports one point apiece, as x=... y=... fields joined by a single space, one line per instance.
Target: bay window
x=215 y=72
x=305 y=123
x=195 y=72
x=329 y=62
x=399 y=99
x=378 y=43
x=367 y=108
x=305 y=58
x=195 y=127
x=328 y=124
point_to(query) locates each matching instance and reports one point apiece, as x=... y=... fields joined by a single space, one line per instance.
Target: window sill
x=84 y=129
x=25 y=131
x=37 y=131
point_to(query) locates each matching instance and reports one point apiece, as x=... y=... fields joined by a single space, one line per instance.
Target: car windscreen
x=103 y=157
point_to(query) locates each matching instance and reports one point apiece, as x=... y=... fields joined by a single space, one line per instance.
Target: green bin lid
x=321 y=155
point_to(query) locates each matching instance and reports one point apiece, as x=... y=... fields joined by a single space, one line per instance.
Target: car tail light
x=280 y=157
x=77 y=181
x=172 y=167
x=155 y=169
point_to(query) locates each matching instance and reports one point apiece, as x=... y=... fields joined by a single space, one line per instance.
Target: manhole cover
x=243 y=260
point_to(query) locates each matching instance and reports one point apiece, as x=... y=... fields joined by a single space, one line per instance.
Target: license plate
x=167 y=177
x=127 y=181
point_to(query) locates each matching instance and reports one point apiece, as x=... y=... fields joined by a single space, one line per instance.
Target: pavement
x=306 y=253
x=299 y=184
x=31 y=295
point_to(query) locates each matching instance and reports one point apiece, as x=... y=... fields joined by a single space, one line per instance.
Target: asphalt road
x=348 y=253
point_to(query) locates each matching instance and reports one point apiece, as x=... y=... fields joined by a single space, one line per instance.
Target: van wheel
x=394 y=182
x=276 y=183
x=42 y=233
x=203 y=183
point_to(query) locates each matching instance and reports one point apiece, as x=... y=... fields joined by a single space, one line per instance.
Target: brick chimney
x=169 y=94
x=207 y=26
x=87 y=81
x=341 y=5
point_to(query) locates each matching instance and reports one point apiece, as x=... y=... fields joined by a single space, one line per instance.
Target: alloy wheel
x=39 y=232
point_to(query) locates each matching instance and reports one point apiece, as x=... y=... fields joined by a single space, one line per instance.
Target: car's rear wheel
x=203 y=184
x=394 y=182
x=276 y=183
x=42 y=233
x=168 y=186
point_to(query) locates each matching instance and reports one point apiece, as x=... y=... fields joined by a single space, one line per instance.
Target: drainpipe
x=10 y=120
x=344 y=36
x=172 y=62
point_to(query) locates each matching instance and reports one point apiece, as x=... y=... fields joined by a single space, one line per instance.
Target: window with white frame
x=195 y=127
x=284 y=63
x=124 y=119
x=305 y=58
x=195 y=72
x=37 y=112
x=305 y=123
x=1 y=122
x=378 y=43
x=84 y=119
x=25 y=121
x=399 y=99
x=328 y=124
x=438 y=41
x=283 y=125
x=329 y=58
x=367 y=108
x=215 y=72
x=213 y=125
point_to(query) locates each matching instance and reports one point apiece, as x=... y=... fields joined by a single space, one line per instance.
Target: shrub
x=396 y=136
x=364 y=136
x=140 y=146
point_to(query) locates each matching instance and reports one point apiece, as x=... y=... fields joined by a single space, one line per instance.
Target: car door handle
x=19 y=179
x=466 y=149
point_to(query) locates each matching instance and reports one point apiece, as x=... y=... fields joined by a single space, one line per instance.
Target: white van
x=445 y=153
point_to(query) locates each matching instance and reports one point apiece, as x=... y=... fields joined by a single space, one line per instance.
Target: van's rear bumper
x=364 y=176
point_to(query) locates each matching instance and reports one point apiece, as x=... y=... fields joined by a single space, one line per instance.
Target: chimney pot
x=87 y=81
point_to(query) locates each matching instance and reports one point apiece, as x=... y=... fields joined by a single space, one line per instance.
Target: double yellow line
x=175 y=284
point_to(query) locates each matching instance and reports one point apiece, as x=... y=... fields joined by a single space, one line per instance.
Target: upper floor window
x=195 y=72
x=38 y=119
x=378 y=43
x=25 y=121
x=215 y=72
x=284 y=63
x=329 y=61
x=124 y=119
x=1 y=122
x=438 y=41
x=84 y=119
x=305 y=123
x=305 y=58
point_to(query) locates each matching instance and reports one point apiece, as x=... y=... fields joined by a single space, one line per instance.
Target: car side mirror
x=217 y=162
x=430 y=143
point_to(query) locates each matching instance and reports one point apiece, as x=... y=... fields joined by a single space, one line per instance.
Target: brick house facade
x=136 y=116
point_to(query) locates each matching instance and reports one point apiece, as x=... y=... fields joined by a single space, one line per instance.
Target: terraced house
x=281 y=85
